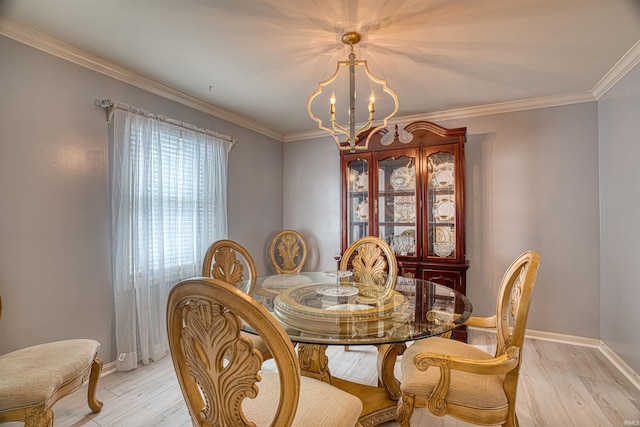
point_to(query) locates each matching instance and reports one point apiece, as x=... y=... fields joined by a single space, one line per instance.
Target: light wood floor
x=560 y=385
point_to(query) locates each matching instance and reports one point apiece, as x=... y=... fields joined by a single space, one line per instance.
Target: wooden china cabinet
x=408 y=189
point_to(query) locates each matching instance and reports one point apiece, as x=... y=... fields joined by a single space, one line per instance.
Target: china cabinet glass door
x=358 y=209
x=441 y=196
x=397 y=201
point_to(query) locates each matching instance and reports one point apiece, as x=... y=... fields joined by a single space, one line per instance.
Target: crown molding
x=619 y=70
x=30 y=37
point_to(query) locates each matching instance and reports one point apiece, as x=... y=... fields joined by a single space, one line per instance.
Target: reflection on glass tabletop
x=316 y=307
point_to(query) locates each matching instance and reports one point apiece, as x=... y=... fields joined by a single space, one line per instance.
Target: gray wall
x=619 y=130
x=55 y=278
x=312 y=201
x=532 y=183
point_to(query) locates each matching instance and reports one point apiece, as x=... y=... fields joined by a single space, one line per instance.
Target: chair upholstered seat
x=285 y=281
x=466 y=389
x=318 y=400
x=33 y=379
x=32 y=375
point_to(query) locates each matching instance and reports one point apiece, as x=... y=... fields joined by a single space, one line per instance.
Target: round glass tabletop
x=319 y=308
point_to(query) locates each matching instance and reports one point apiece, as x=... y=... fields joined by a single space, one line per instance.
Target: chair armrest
x=496 y=366
x=482 y=322
x=499 y=365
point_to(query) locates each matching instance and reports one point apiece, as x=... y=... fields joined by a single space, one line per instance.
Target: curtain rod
x=111 y=106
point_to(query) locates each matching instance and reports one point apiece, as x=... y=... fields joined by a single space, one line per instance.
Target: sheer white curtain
x=168 y=204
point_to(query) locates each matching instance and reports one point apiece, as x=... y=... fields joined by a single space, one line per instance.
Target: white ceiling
x=258 y=61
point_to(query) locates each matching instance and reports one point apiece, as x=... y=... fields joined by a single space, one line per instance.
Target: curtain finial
x=109 y=105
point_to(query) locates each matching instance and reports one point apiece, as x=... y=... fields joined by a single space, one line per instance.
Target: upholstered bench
x=33 y=379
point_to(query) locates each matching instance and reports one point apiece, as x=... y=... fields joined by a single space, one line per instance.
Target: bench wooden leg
x=96 y=370
x=39 y=416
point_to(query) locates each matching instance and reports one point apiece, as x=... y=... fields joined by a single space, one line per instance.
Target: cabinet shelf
x=392 y=193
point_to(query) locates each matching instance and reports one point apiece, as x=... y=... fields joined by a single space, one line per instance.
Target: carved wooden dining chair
x=230 y=262
x=454 y=378
x=288 y=252
x=219 y=370
x=374 y=267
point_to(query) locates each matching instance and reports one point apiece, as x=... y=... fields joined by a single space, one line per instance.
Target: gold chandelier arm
x=365 y=126
x=338 y=128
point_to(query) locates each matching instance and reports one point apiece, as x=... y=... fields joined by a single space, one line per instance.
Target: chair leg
x=94 y=376
x=512 y=418
x=405 y=410
x=512 y=421
x=48 y=419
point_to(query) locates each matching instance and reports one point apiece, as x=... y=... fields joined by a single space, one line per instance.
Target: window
x=168 y=204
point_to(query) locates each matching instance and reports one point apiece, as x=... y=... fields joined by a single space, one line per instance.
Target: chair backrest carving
x=230 y=262
x=374 y=266
x=288 y=252
x=217 y=367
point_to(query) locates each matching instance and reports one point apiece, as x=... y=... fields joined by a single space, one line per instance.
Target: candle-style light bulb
x=372 y=102
x=332 y=101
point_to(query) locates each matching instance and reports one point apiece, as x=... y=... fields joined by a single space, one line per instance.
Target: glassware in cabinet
x=398 y=204
x=357 y=201
x=441 y=198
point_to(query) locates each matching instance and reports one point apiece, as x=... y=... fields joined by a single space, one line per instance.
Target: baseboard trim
x=108 y=368
x=622 y=366
x=563 y=338
x=617 y=361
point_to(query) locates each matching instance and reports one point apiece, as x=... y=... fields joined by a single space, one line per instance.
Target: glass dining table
x=318 y=309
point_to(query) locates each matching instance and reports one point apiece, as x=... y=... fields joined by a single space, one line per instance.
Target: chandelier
x=360 y=113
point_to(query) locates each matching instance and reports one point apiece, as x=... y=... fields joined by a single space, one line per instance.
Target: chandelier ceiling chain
x=352 y=133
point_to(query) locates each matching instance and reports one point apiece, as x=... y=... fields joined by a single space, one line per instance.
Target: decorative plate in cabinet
x=403 y=178
x=444 y=209
x=362 y=210
x=443 y=175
